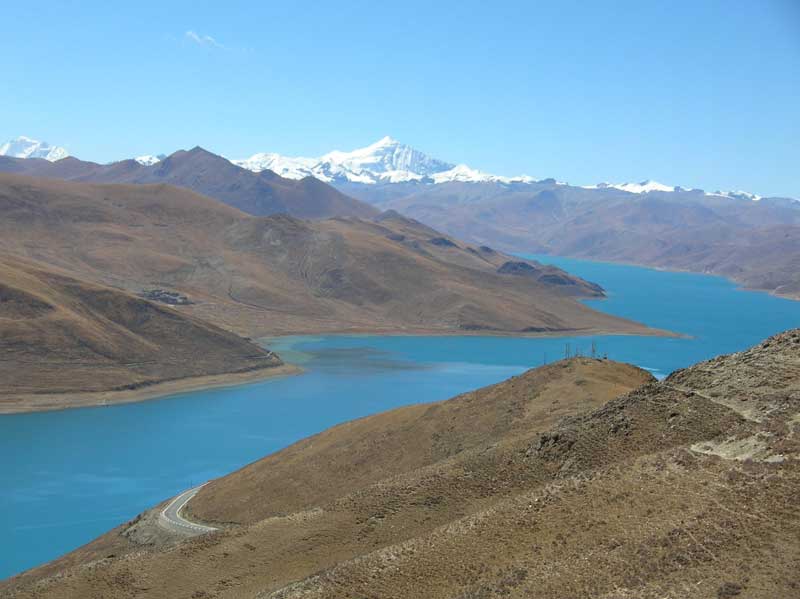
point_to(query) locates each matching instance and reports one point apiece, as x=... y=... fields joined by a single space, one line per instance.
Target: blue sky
x=701 y=94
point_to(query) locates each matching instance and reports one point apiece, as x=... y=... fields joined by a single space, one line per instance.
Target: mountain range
x=384 y=162
x=25 y=147
x=388 y=161
x=756 y=243
x=752 y=239
x=261 y=193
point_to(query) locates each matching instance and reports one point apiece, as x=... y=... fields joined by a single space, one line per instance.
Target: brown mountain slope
x=355 y=454
x=681 y=488
x=61 y=336
x=206 y=173
x=267 y=275
x=754 y=243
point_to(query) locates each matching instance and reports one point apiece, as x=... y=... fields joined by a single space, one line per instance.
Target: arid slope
x=754 y=243
x=352 y=455
x=60 y=335
x=531 y=488
x=268 y=275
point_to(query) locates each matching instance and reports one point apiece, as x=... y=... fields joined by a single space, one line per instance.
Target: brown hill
x=680 y=488
x=754 y=243
x=268 y=275
x=211 y=175
x=358 y=453
x=63 y=341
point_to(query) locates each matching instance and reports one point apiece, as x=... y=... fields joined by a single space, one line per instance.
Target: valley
x=542 y=344
x=201 y=261
x=752 y=240
x=78 y=492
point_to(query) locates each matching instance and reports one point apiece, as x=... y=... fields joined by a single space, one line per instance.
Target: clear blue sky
x=697 y=93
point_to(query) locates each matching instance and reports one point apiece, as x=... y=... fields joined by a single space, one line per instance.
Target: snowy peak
x=737 y=195
x=464 y=174
x=25 y=147
x=388 y=157
x=643 y=187
x=149 y=159
x=285 y=166
x=648 y=186
x=385 y=161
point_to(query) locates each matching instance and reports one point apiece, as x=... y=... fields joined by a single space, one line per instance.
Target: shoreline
x=368 y=332
x=53 y=402
x=740 y=285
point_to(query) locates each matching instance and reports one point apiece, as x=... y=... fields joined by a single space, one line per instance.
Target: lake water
x=67 y=477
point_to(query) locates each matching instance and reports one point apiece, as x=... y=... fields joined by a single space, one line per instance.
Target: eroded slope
x=60 y=335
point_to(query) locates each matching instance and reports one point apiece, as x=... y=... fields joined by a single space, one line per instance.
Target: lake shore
x=63 y=401
x=637 y=330
x=741 y=284
x=48 y=402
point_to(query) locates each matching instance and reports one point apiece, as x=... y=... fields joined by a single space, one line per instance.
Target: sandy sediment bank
x=41 y=402
x=634 y=331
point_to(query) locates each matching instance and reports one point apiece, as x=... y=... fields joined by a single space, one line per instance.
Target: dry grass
x=500 y=493
x=62 y=336
x=260 y=276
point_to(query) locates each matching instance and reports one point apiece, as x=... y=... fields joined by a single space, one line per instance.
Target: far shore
x=740 y=285
x=643 y=331
x=48 y=402
x=62 y=401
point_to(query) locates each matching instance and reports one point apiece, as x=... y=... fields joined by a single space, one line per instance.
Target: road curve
x=170 y=517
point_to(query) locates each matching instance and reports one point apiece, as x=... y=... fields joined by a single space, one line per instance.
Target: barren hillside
x=64 y=341
x=532 y=488
x=268 y=275
x=756 y=243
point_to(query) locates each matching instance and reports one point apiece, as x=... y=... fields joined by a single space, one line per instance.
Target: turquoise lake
x=69 y=476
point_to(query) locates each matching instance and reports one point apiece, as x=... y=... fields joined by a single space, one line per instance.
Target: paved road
x=171 y=519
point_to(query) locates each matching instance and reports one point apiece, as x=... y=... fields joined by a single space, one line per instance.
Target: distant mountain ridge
x=756 y=243
x=388 y=161
x=197 y=169
x=25 y=147
x=385 y=162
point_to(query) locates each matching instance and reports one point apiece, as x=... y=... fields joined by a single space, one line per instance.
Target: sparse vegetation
x=536 y=487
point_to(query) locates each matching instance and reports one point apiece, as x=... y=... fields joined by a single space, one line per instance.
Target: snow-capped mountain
x=643 y=187
x=149 y=159
x=465 y=174
x=650 y=186
x=285 y=166
x=737 y=195
x=385 y=161
x=25 y=147
x=387 y=157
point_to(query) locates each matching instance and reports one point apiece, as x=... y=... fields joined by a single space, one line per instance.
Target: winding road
x=170 y=517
